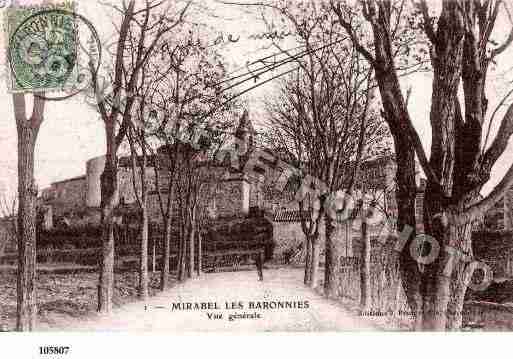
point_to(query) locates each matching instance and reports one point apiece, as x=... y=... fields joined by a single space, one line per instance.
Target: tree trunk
x=437 y=292
x=447 y=61
x=164 y=274
x=182 y=261
x=200 y=254
x=179 y=258
x=143 y=264
x=406 y=222
x=153 y=252
x=365 y=259
x=191 y=242
x=191 y=267
x=437 y=286
x=331 y=275
x=446 y=282
x=314 y=265
x=455 y=308
x=308 y=261
x=106 y=282
x=27 y=195
x=109 y=187
x=397 y=295
x=109 y=198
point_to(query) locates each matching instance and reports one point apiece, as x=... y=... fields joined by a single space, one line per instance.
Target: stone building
x=500 y=217
x=377 y=181
x=237 y=194
x=66 y=196
x=8 y=240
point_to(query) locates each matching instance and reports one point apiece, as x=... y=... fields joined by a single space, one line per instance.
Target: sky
x=72 y=133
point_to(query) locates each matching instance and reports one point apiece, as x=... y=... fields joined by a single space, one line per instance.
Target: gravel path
x=279 y=285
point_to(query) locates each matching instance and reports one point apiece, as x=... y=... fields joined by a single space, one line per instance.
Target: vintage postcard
x=256 y=166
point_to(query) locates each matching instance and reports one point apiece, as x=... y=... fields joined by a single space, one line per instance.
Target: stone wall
x=127 y=194
x=488 y=316
x=68 y=196
x=233 y=195
x=154 y=211
x=508 y=210
x=500 y=216
x=264 y=195
x=387 y=294
x=77 y=194
x=7 y=237
x=495 y=249
x=289 y=238
x=232 y=198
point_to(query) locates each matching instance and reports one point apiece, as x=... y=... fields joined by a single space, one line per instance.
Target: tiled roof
x=290 y=215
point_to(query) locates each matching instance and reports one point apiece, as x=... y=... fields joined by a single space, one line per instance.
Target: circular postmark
x=46 y=54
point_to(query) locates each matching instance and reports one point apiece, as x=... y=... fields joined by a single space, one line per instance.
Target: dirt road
x=279 y=303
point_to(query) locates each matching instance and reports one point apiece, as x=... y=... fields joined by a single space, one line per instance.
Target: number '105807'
x=53 y=350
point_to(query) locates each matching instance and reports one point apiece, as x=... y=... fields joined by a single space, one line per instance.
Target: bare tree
x=199 y=184
x=194 y=108
x=185 y=188
x=372 y=207
x=294 y=137
x=459 y=44
x=320 y=122
x=139 y=33
x=188 y=186
x=143 y=121
x=139 y=162
x=27 y=129
x=375 y=197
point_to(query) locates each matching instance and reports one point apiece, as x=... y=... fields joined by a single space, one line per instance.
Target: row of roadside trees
x=159 y=82
x=458 y=43
x=325 y=120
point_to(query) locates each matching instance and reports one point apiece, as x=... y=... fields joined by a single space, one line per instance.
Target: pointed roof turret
x=245 y=134
x=245 y=126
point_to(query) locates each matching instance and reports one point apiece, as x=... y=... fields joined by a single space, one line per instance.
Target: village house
x=239 y=195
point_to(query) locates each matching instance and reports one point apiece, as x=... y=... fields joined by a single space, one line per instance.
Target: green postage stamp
x=42 y=47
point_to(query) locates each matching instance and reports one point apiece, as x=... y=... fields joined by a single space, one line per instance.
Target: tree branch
x=501 y=141
x=350 y=31
x=38 y=110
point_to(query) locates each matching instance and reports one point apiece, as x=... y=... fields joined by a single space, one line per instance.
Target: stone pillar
x=244 y=199
x=94 y=169
x=47 y=212
x=508 y=209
